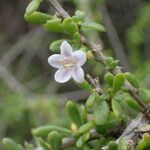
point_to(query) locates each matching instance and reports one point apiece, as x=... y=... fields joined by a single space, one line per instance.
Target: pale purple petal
x=55 y=61
x=80 y=57
x=63 y=75
x=66 y=49
x=78 y=74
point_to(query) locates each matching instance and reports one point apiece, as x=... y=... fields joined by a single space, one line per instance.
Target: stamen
x=69 y=62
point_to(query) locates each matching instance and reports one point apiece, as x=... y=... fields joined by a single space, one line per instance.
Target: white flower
x=68 y=64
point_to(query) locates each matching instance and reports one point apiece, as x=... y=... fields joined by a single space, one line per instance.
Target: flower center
x=68 y=62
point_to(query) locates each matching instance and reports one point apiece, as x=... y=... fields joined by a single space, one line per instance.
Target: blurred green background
x=29 y=96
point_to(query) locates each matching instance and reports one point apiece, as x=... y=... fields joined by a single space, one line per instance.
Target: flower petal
x=78 y=74
x=80 y=57
x=55 y=61
x=66 y=49
x=63 y=75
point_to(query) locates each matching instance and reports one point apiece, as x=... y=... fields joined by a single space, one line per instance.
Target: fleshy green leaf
x=101 y=113
x=80 y=15
x=85 y=86
x=33 y=6
x=90 y=101
x=73 y=112
x=145 y=95
x=44 y=144
x=54 y=25
x=109 y=78
x=112 y=145
x=79 y=142
x=132 y=79
x=93 y=26
x=118 y=81
x=44 y=130
x=9 y=144
x=83 y=114
x=133 y=104
x=70 y=26
x=37 y=17
x=122 y=145
x=117 y=109
x=55 y=45
x=54 y=139
x=86 y=127
x=144 y=143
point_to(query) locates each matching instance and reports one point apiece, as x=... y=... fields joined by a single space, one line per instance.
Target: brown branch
x=11 y=81
x=95 y=83
x=58 y=8
x=131 y=132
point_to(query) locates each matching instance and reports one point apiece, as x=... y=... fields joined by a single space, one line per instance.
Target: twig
x=59 y=8
x=95 y=83
x=11 y=81
x=131 y=133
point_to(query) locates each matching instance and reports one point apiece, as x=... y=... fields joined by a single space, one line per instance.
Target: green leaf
x=118 y=81
x=112 y=145
x=109 y=78
x=93 y=26
x=122 y=145
x=9 y=144
x=37 y=17
x=54 y=139
x=33 y=6
x=54 y=25
x=83 y=114
x=73 y=112
x=101 y=113
x=132 y=80
x=44 y=130
x=116 y=107
x=44 y=144
x=55 y=45
x=79 y=142
x=80 y=15
x=111 y=63
x=86 y=136
x=145 y=95
x=133 y=104
x=85 y=86
x=90 y=101
x=144 y=143
x=86 y=127
x=77 y=37
x=70 y=26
